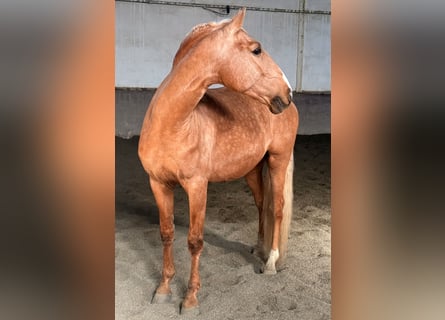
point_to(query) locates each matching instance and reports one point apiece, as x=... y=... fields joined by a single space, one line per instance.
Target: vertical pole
x=300 y=45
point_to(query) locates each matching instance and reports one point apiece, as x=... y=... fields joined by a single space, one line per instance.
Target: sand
x=231 y=285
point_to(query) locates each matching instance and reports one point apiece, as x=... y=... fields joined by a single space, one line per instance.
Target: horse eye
x=257 y=51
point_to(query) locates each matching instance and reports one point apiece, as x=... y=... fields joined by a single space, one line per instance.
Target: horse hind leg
x=278 y=210
x=254 y=180
x=164 y=199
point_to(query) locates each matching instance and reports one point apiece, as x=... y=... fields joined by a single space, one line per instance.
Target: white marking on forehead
x=287 y=82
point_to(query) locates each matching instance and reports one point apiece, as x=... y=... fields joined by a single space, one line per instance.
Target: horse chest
x=169 y=158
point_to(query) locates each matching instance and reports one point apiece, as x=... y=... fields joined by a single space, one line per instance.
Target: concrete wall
x=148 y=35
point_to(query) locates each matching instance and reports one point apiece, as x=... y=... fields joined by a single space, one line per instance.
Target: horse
x=192 y=135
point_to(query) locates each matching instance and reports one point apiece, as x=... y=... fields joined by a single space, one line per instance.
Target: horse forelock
x=197 y=33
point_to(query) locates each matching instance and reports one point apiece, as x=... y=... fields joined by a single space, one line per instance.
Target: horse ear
x=237 y=21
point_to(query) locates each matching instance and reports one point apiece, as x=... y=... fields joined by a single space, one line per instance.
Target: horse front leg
x=197 y=193
x=164 y=199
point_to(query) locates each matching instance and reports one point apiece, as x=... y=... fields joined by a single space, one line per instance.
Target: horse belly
x=233 y=162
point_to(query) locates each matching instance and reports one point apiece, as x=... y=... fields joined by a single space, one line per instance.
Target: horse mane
x=198 y=33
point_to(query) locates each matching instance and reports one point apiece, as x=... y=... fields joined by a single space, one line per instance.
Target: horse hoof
x=159 y=298
x=268 y=270
x=192 y=311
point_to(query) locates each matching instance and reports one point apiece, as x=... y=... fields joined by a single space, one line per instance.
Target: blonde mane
x=198 y=33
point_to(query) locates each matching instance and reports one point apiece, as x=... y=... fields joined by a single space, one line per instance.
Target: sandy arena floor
x=231 y=285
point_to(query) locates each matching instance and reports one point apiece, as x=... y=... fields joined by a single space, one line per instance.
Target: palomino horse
x=192 y=136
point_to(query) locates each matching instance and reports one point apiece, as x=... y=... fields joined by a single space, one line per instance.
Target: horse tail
x=268 y=212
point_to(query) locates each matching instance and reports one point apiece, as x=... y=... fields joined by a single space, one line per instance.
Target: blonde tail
x=268 y=213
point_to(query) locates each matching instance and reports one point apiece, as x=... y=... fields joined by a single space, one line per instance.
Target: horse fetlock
x=270 y=264
x=168 y=274
x=164 y=287
x=195 y=245
x=274 y=255
x=194 y=286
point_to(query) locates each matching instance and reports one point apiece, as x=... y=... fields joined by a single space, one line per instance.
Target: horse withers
x=193 y=135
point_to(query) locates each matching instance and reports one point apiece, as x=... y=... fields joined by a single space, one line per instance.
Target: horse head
x=237 y=61
x=246 y=67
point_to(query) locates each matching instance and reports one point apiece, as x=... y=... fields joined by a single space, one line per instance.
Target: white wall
x=148 y=35
x=316 y=74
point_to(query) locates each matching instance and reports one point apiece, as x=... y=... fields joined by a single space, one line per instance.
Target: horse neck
x=181 y=91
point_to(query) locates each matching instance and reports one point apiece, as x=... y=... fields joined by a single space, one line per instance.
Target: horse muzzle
x=277 y=105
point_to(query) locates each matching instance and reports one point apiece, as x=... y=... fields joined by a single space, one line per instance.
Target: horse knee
x=195 y=244
x=167 y=238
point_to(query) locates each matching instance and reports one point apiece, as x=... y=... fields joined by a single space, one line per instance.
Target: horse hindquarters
x=270 y=214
